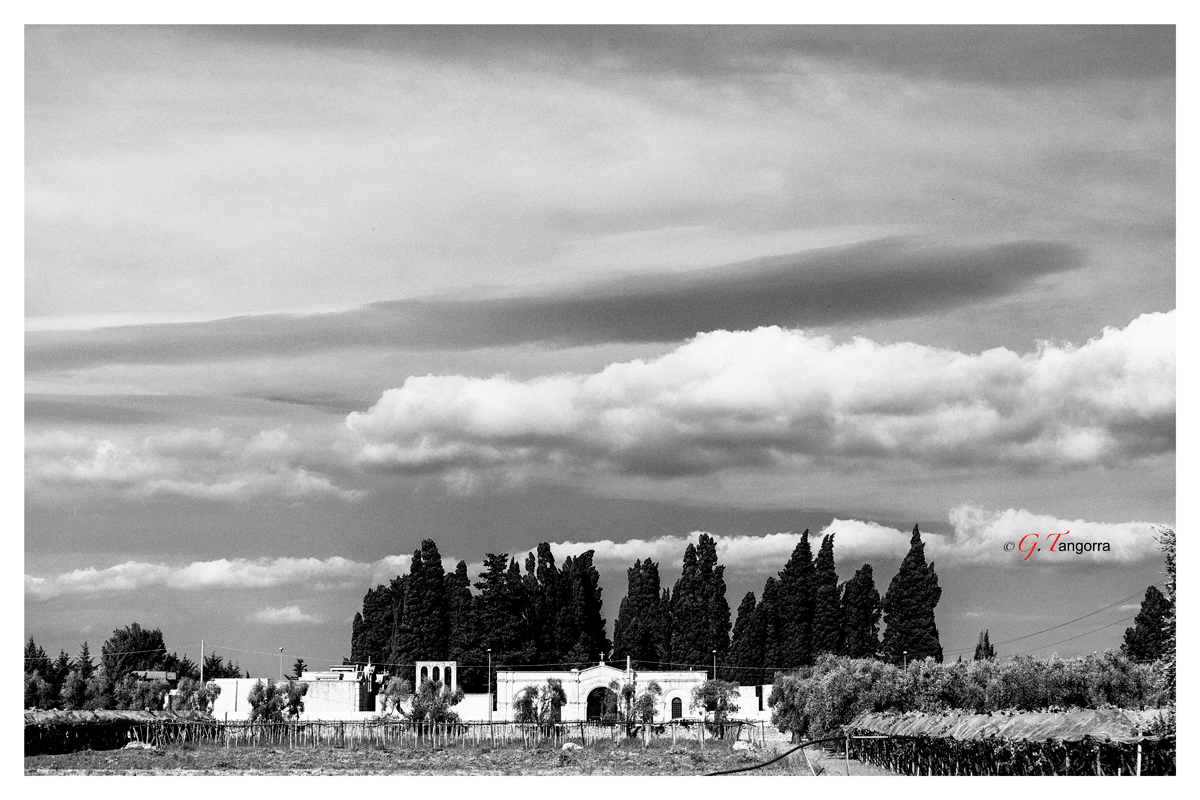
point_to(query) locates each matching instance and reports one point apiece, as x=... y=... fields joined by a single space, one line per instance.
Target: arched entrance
x=596 y=702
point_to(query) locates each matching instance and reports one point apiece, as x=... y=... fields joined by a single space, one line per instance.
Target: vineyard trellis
x=926 y=755
x=58 y=736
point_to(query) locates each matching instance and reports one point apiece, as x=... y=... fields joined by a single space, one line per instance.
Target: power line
x=1085 y=633
x=1060 y=625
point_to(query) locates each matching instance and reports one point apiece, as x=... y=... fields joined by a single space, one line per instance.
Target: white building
x=349 y=692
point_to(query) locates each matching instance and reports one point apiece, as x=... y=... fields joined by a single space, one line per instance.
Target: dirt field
x=629 y=759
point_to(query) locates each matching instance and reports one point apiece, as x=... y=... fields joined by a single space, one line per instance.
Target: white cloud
x=191 y=463
x=768 y=396
x=238 y=573
x=288 y=615
x=978 y=539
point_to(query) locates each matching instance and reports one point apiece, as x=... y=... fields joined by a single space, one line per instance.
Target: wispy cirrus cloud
x=769 y=396
x=880 y=279
x=977 y=540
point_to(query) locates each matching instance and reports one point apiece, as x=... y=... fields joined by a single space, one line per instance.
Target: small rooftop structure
x=155 y=674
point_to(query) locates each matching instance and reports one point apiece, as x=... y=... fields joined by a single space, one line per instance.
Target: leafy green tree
x=191 y=695
x=37 y=691
x=646 y=704
x=796 y=601
x=73 y=694
x=298 y=668
x=908 y=608
x=217 y=667
x=36 y=660
x=267 y=701
x=540 y=704
x=1146 y=640
x=394 y=694
x=132 y=648
x=100 y=691
x=138 y=694
x=1166 y=543
x=984 y=649
x=624 y=694
x=861 y=609
x=182 y=666
x=59 y=671
x=434 y=702
x=827 y=607
x=293 y=698
x=718 y=697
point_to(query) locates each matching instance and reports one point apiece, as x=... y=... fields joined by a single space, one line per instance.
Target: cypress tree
x=664 y=627
x=581 y=624
x=716 y=606
x=746 y=646
x=827 y=607
x=464 y=630
x=373 y=628
x=773 y=626
x=1147 y=639
x=637 y=633
x=983 y=649
x=908 y=608
x=861 y=609
x=424 y=631
x=796 y=605
x=689 y=628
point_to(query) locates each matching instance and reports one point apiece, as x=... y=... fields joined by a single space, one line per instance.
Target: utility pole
x=201 y=662
x=714 y=665
x=906 y=659
x=489 y=682
x=281 y=665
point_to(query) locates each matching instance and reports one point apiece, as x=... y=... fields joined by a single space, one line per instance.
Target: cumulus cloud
x=772 y=395
x=288 y=615
x=190 y=463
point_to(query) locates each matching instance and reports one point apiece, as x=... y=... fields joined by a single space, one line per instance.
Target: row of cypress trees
x=546 y=615
x=549 y=615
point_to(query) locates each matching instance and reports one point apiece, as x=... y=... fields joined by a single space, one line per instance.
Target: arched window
x=449 y=676
x=676 y=708
x=424 y=674
x=437 y=674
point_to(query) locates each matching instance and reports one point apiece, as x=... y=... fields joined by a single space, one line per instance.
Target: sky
x=299 y=298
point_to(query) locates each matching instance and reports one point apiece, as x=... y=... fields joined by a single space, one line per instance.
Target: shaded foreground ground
x=600 y=759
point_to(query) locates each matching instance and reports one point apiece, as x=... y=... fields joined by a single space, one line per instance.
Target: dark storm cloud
x=999 y=54
x=882 y=279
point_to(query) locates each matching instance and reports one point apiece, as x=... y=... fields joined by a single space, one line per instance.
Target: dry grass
x=630 y=758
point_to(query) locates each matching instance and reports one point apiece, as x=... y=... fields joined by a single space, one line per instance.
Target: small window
x=437 y=674
x=495 y=700
x=758 y=692
x=449 y=675
x=424 y=674
x=676 y=708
